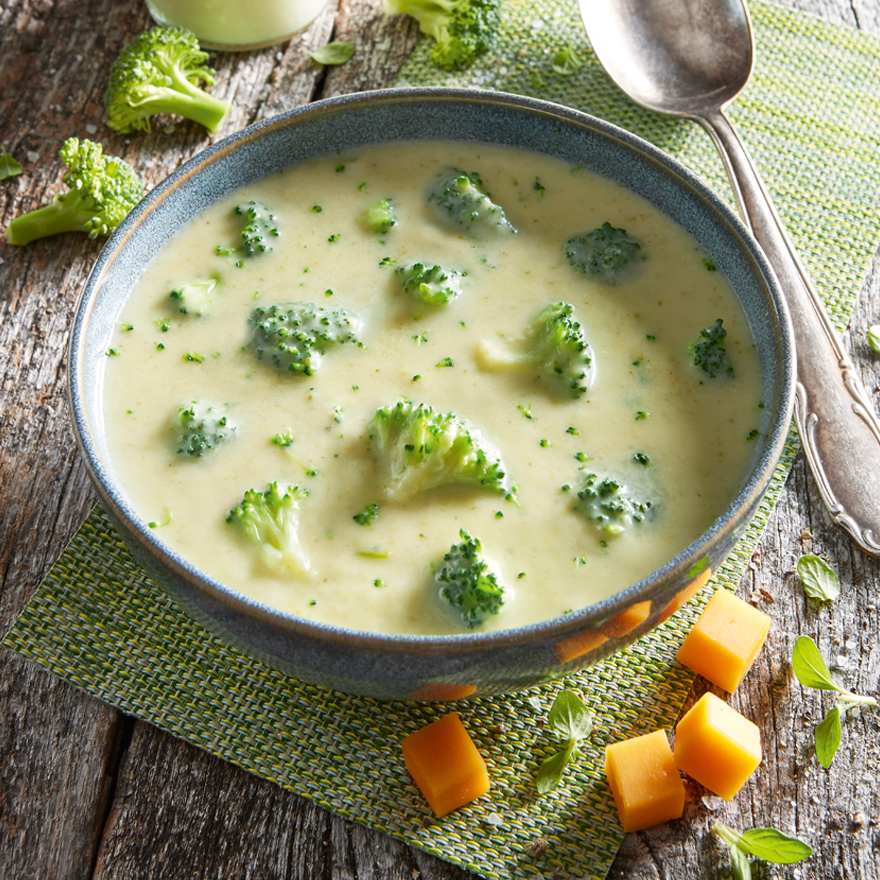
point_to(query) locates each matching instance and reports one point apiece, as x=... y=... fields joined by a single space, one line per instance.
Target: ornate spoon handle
x=839 y=429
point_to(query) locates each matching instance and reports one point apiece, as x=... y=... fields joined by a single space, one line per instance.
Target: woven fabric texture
x=811 y=117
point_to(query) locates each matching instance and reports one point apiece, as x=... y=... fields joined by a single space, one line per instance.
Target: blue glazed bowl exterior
x=400 y=667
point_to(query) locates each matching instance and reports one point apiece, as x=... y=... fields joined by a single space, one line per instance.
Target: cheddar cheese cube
x=725 y=640
x=445 y=764
x=717 y=746
x=644 y=781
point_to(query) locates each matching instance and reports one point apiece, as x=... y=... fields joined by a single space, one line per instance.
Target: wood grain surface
x=86 y=792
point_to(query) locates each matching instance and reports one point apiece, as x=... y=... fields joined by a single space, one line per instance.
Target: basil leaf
x=827 y=737
x=774 y=846
x=740 y=864
x=874 y=337
x=569 y=717
x=337 y=52
x=819 y=580
x=551 y=770
x=809 y=667
x=9 y=166
x=566 y=62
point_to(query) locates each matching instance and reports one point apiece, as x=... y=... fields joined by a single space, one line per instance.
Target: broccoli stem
x=69 y=215
x=190 y=101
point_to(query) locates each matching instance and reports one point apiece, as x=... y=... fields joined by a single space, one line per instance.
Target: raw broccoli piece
x=467 y=583
x=101 y=191
x=194 y=298
x=434 y=285
x=201 y=428
x=295 y=336
x=708 y=351
x=463 y=29
x=462 y=201
x=608 y=505
x=421 y=449
x=270 y=520
x=160 y=72
x=554 y=347
x=259 y=228
x=380 y=217
x=606 y=253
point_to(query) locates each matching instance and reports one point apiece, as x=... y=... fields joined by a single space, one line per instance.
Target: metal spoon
x=691 y=58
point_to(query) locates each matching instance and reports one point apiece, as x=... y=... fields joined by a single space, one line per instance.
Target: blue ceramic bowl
x=399 y=667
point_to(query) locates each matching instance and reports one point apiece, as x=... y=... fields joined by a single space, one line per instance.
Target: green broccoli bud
x=101 y=191
x=554 y=348
x=295 y=336
x=201 y=428
x=258 y=229
x=463 y=29
x=269 y=520
x=380 y=217
x=606 y=253
x=194 y=298
x=607 y=504
x=434 y=285
x=421 y=449
x=467 y=583
x=708 y=351
x=367 y=515
x=462 y=202
x=160 y=71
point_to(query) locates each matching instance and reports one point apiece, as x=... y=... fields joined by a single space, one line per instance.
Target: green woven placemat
x=811 y=117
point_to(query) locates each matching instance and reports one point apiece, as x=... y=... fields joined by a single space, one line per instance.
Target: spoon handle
x=839 y=429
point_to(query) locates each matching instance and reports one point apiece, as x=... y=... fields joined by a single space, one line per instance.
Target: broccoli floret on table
x=194 y=298
x=295 y=336
x=101 y=190
x=160 y=71
x=269 y=520
x=431 y=284
x=380 y=217
x=467 y=583
x=607 y=253
x=463 y=29
x=464 y=204
x=421 y=449
x=554 y=347
x=201 y=428
x=709 y=353
x=609 y=505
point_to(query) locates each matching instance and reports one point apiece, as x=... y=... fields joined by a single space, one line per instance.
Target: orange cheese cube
x=725 y=640
x=644 y=781
x=445 y=764
x=717 y=746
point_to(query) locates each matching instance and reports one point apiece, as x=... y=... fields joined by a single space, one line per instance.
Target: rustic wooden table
x=86 y=792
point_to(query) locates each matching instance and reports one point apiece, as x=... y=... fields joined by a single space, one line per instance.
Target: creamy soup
x=676 y=440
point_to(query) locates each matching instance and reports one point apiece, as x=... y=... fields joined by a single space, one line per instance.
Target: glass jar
x=237 y=25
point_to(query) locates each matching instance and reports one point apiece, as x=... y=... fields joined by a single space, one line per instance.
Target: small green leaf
x=337 y=52
x=819 y=579
x=874 y=337
x=810 y=668
x=774 y=846
x=566 y=62
x=740 y=864
x=828 y=737
x=569 y=717
x=551 y=770
x=9 y=166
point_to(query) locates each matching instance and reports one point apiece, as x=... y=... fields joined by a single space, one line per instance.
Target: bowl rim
x=112 y=498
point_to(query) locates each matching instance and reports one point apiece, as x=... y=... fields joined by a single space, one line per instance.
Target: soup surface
x=674 y=441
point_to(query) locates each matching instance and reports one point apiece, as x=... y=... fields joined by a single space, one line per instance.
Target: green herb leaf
x=774 y=846
x=566 y=62
x=9 y=166
x=874 y=337
x=550 y=772
x=810 y=668
x=337 y=52
x=569 y=718
x=827 y=737
x=819 y=579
